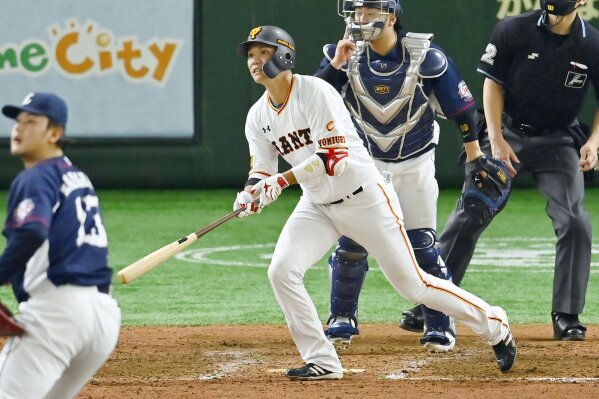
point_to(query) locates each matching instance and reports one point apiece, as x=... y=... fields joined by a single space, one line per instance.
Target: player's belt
x=529 y=130
x=358 y=191
x=104 y=289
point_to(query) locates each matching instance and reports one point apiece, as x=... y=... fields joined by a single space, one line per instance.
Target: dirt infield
x=384 y=362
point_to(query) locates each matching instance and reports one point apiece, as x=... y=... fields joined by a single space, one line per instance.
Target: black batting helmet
x=284 y=56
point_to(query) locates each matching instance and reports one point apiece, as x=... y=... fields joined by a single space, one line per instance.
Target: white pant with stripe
x=372 y=218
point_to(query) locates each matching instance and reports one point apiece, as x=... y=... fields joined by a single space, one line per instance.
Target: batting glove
x=245 y=201
x=269 y=189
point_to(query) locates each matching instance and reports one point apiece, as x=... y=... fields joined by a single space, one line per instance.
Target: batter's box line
x=556 y=380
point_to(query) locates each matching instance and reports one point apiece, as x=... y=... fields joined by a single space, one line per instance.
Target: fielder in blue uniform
x=56 y=259
x=394 y=83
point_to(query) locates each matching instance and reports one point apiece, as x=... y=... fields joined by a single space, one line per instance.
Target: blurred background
x=158 y=97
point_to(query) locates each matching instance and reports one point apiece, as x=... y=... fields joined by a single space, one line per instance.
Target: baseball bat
x=151 y=261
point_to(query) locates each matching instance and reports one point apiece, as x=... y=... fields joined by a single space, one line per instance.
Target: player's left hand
x=588 y=158
x=245 y=201
x=269 y=189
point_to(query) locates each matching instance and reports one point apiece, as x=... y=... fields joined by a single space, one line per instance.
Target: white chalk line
x=492 y=255
x=559 y=380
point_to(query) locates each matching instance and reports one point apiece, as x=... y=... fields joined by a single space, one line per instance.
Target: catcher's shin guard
x=348 y=271
x=439 y=329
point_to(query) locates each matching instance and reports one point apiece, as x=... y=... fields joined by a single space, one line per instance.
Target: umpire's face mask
x=559 y=7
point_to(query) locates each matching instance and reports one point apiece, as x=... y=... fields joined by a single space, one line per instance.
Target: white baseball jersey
x=313 y=117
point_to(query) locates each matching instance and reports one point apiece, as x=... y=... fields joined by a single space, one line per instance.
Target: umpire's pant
x=553 y=161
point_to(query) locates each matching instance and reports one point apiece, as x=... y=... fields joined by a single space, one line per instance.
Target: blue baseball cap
x=46 y=104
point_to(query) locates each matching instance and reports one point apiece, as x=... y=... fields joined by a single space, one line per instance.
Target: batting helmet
x=284 y=56
x=558 y=7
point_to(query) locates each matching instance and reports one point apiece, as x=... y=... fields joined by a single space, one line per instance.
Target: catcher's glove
x=8 y=325
x=486 y=188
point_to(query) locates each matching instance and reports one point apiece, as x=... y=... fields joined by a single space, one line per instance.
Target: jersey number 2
x=489 y=55
x=88 y=206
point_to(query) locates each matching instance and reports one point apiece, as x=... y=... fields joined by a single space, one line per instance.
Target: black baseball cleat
x=412 y=320
x=311 y=371
x=505 y=352
x=566 y=327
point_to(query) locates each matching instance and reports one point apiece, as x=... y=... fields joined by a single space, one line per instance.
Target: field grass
x=227 y=284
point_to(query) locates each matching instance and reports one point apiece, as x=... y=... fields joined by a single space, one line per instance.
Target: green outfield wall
x=223 y=93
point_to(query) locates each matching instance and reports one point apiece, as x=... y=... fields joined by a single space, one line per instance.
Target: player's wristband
x=466 y=125
x=311 y=168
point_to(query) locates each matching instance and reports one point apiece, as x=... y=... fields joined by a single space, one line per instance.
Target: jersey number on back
x=88 y=206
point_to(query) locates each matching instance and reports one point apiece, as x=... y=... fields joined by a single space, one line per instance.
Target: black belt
x=529 y=130
x=104 y=289
x=358 y=191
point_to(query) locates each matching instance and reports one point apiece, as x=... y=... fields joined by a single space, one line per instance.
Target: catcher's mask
x=284 y=56
x=558 y=7
x=369 y=20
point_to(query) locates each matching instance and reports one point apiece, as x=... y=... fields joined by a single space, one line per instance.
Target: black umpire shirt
x=544 y=75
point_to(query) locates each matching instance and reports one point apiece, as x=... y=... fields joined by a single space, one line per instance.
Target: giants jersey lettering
x=57 y=196
x=313 y=117
x=393 y=127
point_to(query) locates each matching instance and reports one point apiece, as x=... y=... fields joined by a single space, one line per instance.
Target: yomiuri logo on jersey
x=254 y=32
x=382 y=89
x=575 y=80
x=24 y=209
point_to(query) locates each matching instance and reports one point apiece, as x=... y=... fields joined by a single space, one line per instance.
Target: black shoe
x=312 y=372
x=505 y=352
x=413 y=320
x=566 y=327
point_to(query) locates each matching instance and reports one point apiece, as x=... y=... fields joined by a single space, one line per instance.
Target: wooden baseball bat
x=151 y=261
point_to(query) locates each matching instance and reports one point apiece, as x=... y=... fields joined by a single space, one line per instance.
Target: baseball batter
x=56 y=261
x=303 y=119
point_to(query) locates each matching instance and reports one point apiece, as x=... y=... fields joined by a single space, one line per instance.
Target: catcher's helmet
x=284 y=56
x=391 y=6
x=358 y=30
x=558 y=7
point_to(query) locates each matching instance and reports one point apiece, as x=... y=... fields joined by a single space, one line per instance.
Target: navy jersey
x=383 y=78
x=58 y=201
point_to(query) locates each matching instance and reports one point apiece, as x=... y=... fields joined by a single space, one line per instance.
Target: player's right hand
x=343 y=53
x=245 y=201
x=503 y=151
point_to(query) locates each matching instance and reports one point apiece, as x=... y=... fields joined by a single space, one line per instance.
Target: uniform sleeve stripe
x=490 y=76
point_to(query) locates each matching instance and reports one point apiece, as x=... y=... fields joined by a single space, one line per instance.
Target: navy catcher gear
x=439 y=334
x=486 y=188
x=349 y=267
x=284 y=56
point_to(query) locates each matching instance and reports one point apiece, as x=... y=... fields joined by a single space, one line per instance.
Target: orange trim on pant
x=418 y=269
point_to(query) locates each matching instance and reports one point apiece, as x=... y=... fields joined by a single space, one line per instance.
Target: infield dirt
x=383 y=362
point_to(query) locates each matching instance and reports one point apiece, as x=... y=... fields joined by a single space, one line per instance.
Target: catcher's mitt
x=8 y=325
x=486 y=188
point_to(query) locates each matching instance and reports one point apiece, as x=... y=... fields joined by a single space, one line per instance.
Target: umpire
x=538 y=67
